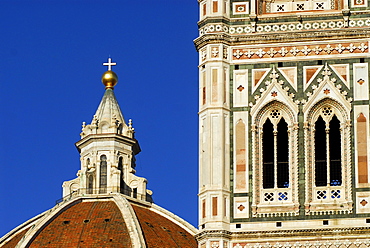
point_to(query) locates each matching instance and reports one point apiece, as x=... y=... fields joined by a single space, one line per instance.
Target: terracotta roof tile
x=160 y=232
x=14 y=241
x=86 y=224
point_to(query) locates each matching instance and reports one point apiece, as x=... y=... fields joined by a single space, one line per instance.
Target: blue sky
x=51 y=55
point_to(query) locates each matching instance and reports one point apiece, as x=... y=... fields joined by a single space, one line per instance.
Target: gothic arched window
x=328 y=169
x=103 y=174
x=275 y=155
x=275 y=135
x=327 y=156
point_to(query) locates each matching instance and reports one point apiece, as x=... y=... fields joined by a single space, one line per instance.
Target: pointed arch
x=327 y=158
x=275 y=182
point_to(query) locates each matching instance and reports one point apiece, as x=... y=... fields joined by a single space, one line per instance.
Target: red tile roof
x=86 y=224
x=97 y=223
x=14 y=241
x=160 y=232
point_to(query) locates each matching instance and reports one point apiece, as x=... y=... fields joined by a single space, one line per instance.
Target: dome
x=106 y=205
x=104 y=221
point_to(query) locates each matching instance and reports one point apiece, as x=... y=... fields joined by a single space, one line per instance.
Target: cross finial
x=109 y=64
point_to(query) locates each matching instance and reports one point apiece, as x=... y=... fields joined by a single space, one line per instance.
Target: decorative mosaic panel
x=290 y=73
x=240 y=8
x=288 y=27
x=363 y=202
x=306 y=244
x=215 y=52
x=309 y=74
x=258 y=75
x=361 y=81
x=299 y=51
x=342 y=70
x=215 y=244
x=241 y=207
x=359 y=3
x=285 y=6
x=240 y=91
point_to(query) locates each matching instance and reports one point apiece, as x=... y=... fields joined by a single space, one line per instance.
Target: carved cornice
x=285 y=233
x=108 y=137
x=257 y=38
x=213 y=234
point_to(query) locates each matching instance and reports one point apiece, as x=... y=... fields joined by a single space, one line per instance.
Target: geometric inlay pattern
x=294 y=51
x=266 y=28
x=335 y=194
x=321 y=194
x=307 y=244
x=283 y=196
x=269 y=196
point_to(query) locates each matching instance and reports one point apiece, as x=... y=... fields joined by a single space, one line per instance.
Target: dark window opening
x=236 y=67
x=278 y=224
x=335 y=152
x=367 y=221
x=321 y=150
x=282 y=155
x=320 y=153
x=325 y=222
x=268 y=155
x=134 y=192
x=238 y=225
x=90 y=185
x=362 y=60
x=120 y=168
x=103 y=174
x=280 y=64
x=319 y=62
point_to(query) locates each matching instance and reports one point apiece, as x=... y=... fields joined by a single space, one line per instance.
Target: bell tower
x=108 y=148
x=284 y=123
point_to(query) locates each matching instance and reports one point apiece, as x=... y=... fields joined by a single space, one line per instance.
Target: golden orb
x=109 y=79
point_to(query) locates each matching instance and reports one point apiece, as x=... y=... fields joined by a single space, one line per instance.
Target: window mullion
x=275 y=157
